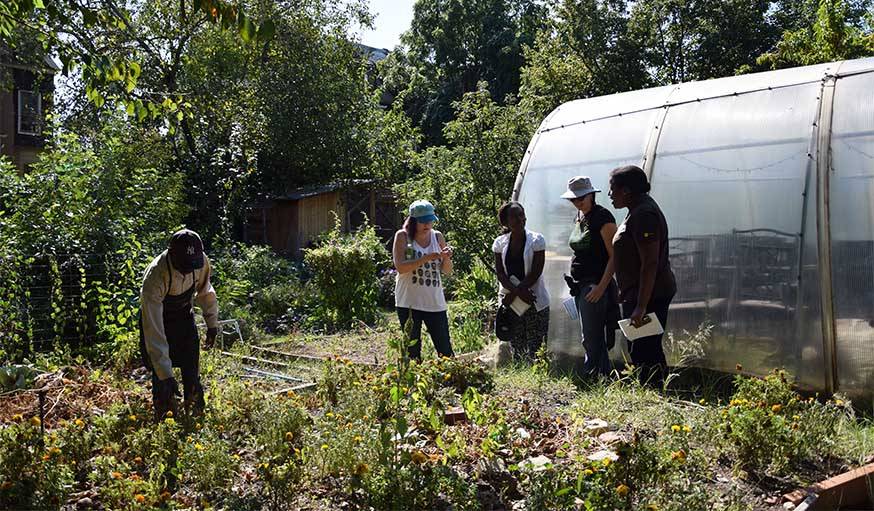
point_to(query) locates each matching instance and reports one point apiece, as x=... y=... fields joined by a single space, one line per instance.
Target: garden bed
x=378 y=438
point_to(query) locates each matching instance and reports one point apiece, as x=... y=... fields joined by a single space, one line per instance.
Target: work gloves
x=166 y=398
x=211 y=334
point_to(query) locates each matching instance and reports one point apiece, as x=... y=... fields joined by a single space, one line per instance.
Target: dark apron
x=181 y=332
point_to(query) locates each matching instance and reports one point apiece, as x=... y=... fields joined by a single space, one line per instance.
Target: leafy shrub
x=387 y=279
x=344 y=268
x=769 y=427
x=207 y=463
x=472 y=312
x=31 y=476
x=259 y=288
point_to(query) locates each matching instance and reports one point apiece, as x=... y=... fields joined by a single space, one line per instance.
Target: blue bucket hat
x=423 y=211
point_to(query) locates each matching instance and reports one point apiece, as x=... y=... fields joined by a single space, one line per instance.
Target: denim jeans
x=595 y=329
x=438 y=328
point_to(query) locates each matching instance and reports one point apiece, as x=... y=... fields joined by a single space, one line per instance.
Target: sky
x=392 y=17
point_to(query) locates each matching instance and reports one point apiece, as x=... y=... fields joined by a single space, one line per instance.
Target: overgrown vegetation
x=390 y=437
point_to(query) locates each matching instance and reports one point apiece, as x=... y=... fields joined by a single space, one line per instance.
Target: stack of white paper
x=651 y=326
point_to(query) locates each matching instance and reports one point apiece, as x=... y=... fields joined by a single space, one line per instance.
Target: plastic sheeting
x=735 y=172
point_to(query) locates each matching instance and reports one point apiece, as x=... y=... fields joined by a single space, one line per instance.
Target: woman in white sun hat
x=421 y=257
x=591 y=279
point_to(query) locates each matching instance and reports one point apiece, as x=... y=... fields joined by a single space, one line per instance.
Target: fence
x=64 y=299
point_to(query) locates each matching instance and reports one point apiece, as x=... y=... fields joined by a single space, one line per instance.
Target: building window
x=29 y=112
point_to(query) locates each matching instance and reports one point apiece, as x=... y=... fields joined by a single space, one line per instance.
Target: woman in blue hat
x=421 y=257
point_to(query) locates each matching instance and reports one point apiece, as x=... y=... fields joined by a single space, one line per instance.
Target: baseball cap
x=423 y=211
x=186 y=250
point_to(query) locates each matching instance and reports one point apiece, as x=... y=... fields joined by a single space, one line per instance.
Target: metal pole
x=823 y=228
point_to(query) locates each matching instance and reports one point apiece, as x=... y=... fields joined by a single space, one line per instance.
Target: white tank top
x=422 y=288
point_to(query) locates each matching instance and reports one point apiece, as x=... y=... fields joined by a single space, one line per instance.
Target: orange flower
x=140 y=498
x=622 y=490
x=116 y=475
x=776 y=408
x=419 y=457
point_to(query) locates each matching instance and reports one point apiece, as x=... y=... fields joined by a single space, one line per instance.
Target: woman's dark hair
x=631 y=177
x=504 y=213
x=410 y=227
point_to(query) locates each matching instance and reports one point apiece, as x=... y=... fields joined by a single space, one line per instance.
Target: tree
x=105 y=40
x=585 y=51
x=451 y=46
x=471 y=177
x=685 y=40
x=832 y=36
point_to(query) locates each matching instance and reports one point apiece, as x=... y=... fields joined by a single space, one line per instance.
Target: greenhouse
x=767 y=182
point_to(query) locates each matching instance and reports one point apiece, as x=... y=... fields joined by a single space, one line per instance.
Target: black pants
x=438 y=328
x=647 y=353
x=184 y=344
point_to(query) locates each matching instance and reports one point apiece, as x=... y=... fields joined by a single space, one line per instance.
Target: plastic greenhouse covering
x=767 y=182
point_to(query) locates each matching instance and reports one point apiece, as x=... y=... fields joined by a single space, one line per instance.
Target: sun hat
x=423 y=211
x=579 y=186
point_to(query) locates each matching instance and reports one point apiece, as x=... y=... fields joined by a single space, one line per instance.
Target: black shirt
x=644 y=223
x=516 y=260
x=590 y=252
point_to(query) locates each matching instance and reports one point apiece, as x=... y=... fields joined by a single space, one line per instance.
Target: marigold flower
x=606 y=462
x=165 y=495
x=358 y=439
x=687 y=428
x=35 y=422
x=116 y=475
x=361 y=469
x=776 y=408
x=419 y=457
x=679 y=455
x=140 y=498
x=622 y=490
x=79 y=422
x=587 y=472
x=675 y=428
x=198 y=446
x=839 y=402
x=289 y=436
x=17 y=417
x=324 y=447
x=169 y=413
x=132 y=417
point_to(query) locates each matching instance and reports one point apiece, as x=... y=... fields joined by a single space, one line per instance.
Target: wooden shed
x=292 y=222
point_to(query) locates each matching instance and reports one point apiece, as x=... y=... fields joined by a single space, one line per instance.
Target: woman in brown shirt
x=643 y=270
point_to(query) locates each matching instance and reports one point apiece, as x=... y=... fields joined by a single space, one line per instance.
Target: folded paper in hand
x=519 y=305
x=651 y=326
